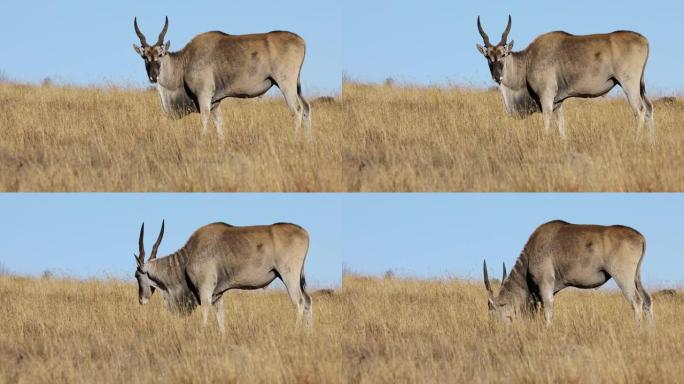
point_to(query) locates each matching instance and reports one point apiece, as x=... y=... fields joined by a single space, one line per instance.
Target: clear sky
x=422 y=235
x=85 y=42
x=442 y=235
x=432 y=41
x=95 y=235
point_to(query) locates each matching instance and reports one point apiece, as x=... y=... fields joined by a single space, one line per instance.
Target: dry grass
x=400 y=331
x=379 y=138
x=431 y=139
x=76 y=139
x=96 y=332
x=373 y=331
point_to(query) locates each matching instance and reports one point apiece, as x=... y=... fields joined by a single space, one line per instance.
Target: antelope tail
x=646 y=298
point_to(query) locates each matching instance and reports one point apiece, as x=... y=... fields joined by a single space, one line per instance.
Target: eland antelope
x=219 y=257
x=558 y=65
x=215 y=65
x=559 y=255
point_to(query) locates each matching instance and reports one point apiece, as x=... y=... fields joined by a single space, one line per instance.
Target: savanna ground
x=374 y=138
x=57 y=330
x=421 y=331
x=60 y=138
x=374 y=330
x=404 y=138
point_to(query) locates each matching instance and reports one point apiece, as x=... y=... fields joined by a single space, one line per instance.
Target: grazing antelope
x=215 y=65
x=559 y=255
x=219 y=257
x=558 y=65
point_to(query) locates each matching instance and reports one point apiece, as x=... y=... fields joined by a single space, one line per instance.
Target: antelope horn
x=482 y=33
x=486 y=280
x=143 y=41
x=504 y=36
x=504 y=273
x=141 y=246
x=160 y=41
x=156 y=244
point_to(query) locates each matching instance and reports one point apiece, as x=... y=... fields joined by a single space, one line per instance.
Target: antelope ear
x=490 y=303
x=508 y=48
x=138 y=50
x=481 y=49
x=165 y=47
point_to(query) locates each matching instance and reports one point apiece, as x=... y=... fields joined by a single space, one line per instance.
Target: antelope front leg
x=547 y=303
x=205 y=315
x=205 y=303
x=218 y=120
x=547 y=122
x=547 y=113
x=558 y=114
x=205 y=111
x=219 y=314
x=649 y=120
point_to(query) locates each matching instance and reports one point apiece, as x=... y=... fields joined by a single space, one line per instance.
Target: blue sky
x=87 y=42
x=432 y=41
x=442 y=235
x=95 y=235
x=422 y=235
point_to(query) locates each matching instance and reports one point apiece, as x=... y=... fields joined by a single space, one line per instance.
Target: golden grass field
x=403 y=138
x=59 y=138
x=418 y=331
x=68 y=331
x=375 y=330
x=374 y=138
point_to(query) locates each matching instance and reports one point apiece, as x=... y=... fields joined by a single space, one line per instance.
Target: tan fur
x=215 y=65
x=559 y=255
x=557 y=66
x=219 y=257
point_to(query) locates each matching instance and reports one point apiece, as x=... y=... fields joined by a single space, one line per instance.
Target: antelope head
x=500 y=308
x=495 y=54
x=152 y=54
x=146 y=285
